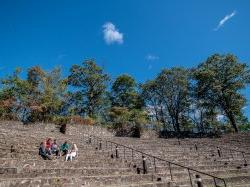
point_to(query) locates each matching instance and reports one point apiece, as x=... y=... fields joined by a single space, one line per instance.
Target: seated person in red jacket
x=48 y=146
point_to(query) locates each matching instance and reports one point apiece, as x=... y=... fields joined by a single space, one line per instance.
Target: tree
x=15 y=96
x=203 y=115
x=53 y=90
x=202 y=112
x=126 y=114
x=35 y=77
x=90 y=83
x=219 y=81
x=39 y=97
x=7 y=96
x=173 y=89
x=153 y=102
x=124 y=93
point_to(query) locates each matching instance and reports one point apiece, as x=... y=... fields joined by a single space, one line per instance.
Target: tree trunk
x=201 y=123
x=90 y=111
x=177 y=124
x=162 y=119
x=232 y=121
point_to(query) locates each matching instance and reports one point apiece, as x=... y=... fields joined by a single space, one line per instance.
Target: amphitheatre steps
x=56 y=163
x=115 y=180
x=57 y=172
x=91 y=168
x=94 y=167
x=230 y=168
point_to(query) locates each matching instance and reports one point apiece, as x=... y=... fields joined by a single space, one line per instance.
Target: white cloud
x=112 y=34
x=151 y=57
x=223 y=21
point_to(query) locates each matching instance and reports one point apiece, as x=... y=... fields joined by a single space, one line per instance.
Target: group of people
x=47 y=149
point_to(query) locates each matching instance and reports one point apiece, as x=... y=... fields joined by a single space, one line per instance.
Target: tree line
x=207 y=98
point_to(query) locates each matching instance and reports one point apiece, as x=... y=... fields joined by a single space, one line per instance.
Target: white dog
x=72 y=154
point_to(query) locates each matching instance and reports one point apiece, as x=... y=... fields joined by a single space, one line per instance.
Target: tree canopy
x=203 y=99
x=219 y=81
x=90 y=82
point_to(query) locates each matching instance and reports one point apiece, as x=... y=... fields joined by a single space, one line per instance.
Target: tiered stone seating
x=20 y=164
x=234 y=170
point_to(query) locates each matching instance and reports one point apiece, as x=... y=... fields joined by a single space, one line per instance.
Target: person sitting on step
x=42 y=151
x=55 y=149
x=72 y=154
x=64 y=148
x=48 y=146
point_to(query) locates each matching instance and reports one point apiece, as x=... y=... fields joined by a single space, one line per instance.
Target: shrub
x=60 y=120
x=127 y=123
x=82 y=121
x=63 y=128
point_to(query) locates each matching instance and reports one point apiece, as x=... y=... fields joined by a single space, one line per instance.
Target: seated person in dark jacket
x=42 y=151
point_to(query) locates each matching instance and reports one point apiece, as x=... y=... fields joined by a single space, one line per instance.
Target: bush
x=127 y=122
x=136 y=131
x=60 y=120
x=82 y=121
x=63 y=128
x=129 y=130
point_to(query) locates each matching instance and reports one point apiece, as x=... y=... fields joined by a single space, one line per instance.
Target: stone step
x=186 y=162
x=199 y=168
x=103 y=180
x=55 y=163
x=30 y=137
x=150 y=184
x=218 y=173
x=231 y=181
x=60 y=159
x=59 y=172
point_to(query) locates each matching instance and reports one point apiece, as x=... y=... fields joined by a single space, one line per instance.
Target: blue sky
x=138 y=37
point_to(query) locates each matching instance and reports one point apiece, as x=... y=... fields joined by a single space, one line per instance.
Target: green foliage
x=219 y=81
x=138 y=117
x=126 y=122
x=244 y=127
x=119 y=116
x=154 y=103
x=173 y=89
x=15 y=96
x=91 y=82
x=243 y=123
x=34 y=77
x=53 y=88
x=38 y=97
x=60 y=120
x=124 y=92
x=178 y=99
